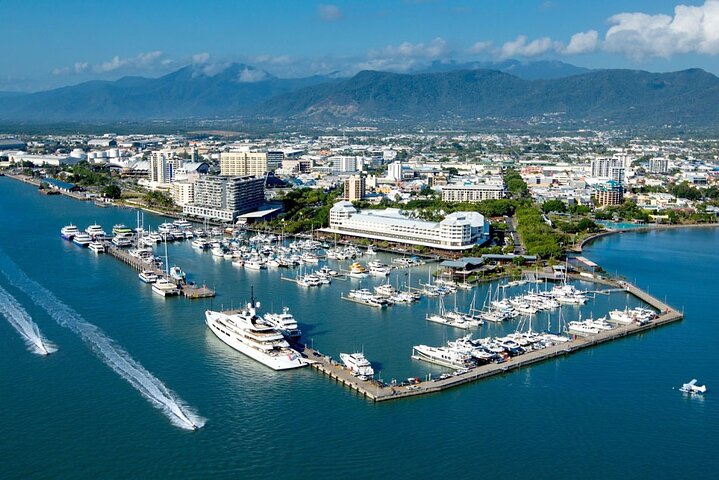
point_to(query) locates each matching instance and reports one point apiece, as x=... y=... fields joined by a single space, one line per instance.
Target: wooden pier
x=189 y=291
x=380 y=392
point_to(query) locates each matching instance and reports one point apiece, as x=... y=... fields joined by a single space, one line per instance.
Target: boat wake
x=20 y=320
x=106 y=349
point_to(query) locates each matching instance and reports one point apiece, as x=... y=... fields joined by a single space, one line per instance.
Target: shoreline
x=579 y=247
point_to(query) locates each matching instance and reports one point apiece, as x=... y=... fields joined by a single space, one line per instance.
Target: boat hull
x=283 y=362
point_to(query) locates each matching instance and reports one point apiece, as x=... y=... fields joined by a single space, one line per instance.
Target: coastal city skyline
x=328 y=240
x=347 y=37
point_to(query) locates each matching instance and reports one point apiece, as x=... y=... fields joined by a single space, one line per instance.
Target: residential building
x=163 y=167
x=659 y=165
x=354 y=188
x=472 y=193
x=254 y=164
x=458 y=231
x=609 y=193
x=345 y=164
x=601 y=167
x=224 y=198
x=183 y=192
x=394 y=171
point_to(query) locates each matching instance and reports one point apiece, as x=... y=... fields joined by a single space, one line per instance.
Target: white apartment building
x=224 y=198
x=345 y=164
x=659 y=165
x=458 y=231
x=163 y=167
x=472 y=193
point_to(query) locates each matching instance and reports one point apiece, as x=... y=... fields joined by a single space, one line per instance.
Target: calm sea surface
x=83 y=412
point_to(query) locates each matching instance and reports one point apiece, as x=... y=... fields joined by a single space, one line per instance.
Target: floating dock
x=380 y=392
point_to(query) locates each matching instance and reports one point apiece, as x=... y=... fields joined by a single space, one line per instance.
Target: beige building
x=242 y=164
x=183 y=192
x=472 y=193
x=354 y=188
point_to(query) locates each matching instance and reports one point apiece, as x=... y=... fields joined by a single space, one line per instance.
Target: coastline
x=579 y=247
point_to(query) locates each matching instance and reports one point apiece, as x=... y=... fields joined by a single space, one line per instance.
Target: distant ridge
x=622 y=97
x=610 y=97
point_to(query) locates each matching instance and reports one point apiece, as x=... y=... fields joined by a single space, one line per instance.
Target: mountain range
x=509 y=90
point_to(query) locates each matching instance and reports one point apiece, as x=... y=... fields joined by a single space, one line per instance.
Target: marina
x=379 y=392
x=636 y=378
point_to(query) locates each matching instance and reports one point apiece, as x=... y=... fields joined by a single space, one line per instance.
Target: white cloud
x=142 y=61
x=520 y=48
x=329 y=13
x=692 y=29
x=274 y=59
x=249 y=75
x=200 y=58
x=582 y=42
x=480 y=47
x=404 y=56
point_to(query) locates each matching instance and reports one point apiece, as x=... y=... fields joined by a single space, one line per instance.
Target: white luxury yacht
x=247 y=333
x=284 y=323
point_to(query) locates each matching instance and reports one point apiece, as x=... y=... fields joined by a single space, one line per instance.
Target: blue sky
x=48 y=44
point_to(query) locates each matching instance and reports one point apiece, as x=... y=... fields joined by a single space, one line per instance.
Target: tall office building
x=255 y=164
x=224 y=198
x=354 y=188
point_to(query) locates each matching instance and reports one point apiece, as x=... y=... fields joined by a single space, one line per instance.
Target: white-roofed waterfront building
x=458 y=231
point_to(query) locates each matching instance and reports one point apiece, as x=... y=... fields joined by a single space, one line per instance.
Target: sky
x=46 y=44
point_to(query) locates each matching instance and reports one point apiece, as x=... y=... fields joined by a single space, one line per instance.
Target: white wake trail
x=104 y=347
x=21 y=321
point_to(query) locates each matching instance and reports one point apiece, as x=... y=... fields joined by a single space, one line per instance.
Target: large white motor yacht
x=247 y=333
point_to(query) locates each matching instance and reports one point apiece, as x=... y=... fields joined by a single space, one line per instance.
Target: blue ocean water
x=601 y=413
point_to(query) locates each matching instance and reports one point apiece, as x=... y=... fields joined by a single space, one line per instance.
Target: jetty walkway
x=380 y=392
x=189 y=291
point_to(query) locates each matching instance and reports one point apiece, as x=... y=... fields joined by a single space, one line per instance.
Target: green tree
x=554 y=206
x=112 y=191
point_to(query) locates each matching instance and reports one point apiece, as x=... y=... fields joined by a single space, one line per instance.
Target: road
x=511 y=230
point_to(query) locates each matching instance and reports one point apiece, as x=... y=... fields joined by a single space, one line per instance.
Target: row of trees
x=538 y=237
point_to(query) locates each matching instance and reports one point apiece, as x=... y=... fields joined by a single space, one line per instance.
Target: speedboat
x=177 y=274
